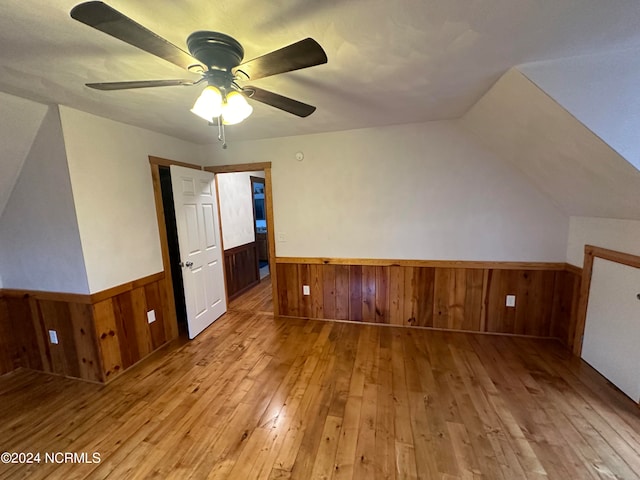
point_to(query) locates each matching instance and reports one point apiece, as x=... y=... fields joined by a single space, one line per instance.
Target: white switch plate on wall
x=511 y=301
x=151 y=316
x=53 y=337
x=306 y=290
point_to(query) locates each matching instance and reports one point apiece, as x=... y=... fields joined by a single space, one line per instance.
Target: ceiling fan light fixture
x=235 y=109
x=209 y=104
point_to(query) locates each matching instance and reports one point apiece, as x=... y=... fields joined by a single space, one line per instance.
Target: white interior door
x=194 y=196
x=612 y=329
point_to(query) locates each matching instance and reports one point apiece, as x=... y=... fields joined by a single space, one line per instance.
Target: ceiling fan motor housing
x=215 y=50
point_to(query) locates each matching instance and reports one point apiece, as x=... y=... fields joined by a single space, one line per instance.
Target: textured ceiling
x=389 y=62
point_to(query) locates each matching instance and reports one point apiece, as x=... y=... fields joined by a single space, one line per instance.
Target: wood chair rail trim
x=80 y=297
x=496 y=265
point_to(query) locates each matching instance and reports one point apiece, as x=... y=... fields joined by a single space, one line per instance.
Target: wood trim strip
x=590 y=252
x=271 y=237
x=164 y=247
x=425 y=263
x=240 y=248
x=613 y=255
x=240 y=167
x=50 y=296
x=223 y=257
x=581 y=317
x=79 y=297
x=125 y=287
x=573 y=269
x=165 y=162
x=141 y=282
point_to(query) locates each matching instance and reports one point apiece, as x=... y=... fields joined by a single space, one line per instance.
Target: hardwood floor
x=261 y=397
x=258 y=299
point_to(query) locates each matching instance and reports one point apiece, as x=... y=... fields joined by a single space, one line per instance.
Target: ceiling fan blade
x=303 y=54
x=278 y=101
x=140 y=84
x=108 y=20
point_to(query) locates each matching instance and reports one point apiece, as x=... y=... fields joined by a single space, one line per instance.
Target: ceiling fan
x=216 y=57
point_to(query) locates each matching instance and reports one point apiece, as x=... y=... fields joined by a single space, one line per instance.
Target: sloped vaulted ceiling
x=20 y=120
x=601 y=91
x=566 y=160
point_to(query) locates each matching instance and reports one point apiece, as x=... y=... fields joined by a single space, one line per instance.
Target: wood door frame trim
x=223 y=259
x=268 y=200
x=590 y=253
x=238 y=168
x=254 y=180
x=155 y=163
x=165 y=162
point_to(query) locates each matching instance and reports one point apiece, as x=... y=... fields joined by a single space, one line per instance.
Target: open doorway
x=260 y=225
x=166 y=222
x=244 y=229
x=233 y=267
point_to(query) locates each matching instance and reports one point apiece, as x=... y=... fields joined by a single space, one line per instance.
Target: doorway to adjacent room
x=260 y=225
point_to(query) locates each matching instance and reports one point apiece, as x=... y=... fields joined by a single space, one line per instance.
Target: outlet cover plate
x=53 y=337
x=151 y=316
x=306 y=290
x=511 y=301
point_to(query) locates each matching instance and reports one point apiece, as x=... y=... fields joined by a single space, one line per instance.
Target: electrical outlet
x=511 y=301
x=282 y=237
x=53 y=337
x=306 y=290
x=151 y=316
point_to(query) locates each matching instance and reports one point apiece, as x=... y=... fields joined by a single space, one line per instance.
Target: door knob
x=189 y=264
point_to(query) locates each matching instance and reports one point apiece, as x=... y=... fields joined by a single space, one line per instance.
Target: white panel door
x=196 y=208
x=612 y=329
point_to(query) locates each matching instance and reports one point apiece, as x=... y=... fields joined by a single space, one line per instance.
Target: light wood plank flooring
x=261 y=397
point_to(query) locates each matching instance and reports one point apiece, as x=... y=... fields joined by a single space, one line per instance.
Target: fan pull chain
x=221 y=135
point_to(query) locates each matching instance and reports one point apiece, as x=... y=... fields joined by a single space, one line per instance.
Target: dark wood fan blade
x=278 y=101
x=303 y=54
x=108 y=20
x=140 y=84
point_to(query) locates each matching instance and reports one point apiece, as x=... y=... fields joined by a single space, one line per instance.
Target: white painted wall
x=418 y=191
x=39 y=239
x=599 y=90
x=113 y=194
x=236 y=208
x=20 y=120
x=611 y=233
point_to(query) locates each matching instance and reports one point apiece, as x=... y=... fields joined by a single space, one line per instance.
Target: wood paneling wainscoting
x=467 y=296
x=241 y=266
x=99 y=335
